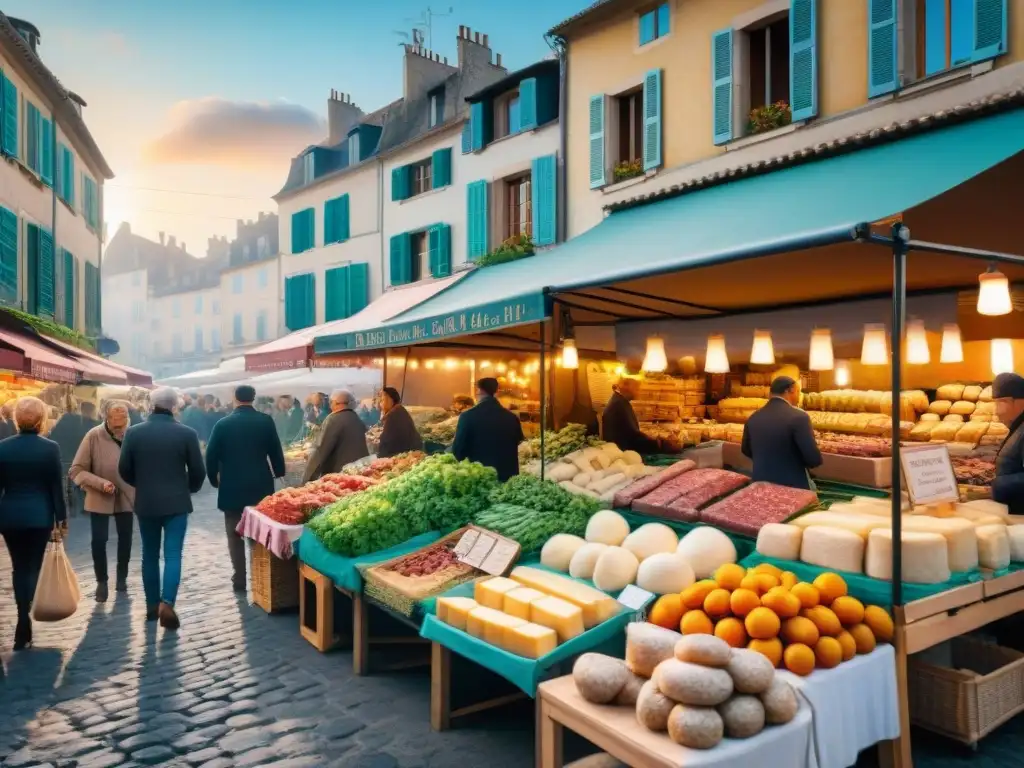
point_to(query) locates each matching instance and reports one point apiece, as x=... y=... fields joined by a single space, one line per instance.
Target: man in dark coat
x=294 y=424
x=242 y=459
x=1008 y=486
x=343 y=439
x=489 y=433
x=619 y=422
x=399 y=433
x=162 y=460
x=195 y=417
x=779 y=438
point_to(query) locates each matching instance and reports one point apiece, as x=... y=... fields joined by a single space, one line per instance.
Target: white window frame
x=308 y=167
x=353 y=149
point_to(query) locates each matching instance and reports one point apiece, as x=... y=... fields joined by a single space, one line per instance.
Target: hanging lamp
x=655 y=360
x=841 y=376
x=716 y=359
x=875 y=349
x=994 y=293
x=821 y=354
x=570 y=356
x=762 y=351
x=917 y=343
x=1002 y=356
x=952 y=346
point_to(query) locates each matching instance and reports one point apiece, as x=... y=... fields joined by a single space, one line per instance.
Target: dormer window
x=436 y=116
x=308 y=167
x=353 y=149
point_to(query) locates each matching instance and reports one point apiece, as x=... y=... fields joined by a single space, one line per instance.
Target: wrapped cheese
x=993 y=547
x=925 y=559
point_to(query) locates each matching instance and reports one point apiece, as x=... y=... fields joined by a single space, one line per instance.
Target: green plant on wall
x=769 y=117
x=55 y=330
x=628 y=169
x=512 y=249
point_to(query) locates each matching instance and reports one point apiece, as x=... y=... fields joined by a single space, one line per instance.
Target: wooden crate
x=275 y=582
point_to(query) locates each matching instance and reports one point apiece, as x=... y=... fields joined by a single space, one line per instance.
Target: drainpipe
x=380 y=220
x=558 y=45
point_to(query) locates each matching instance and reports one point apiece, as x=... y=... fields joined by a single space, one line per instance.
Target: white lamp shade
x=994 y=294
x=716 y=359
x=655 y=360
x=570 y=357
x=917 y=343
x=821 y=356
x=875 y=350
x=762 y=352
x=952 y=347
x=841 y=377
x=1002 y=356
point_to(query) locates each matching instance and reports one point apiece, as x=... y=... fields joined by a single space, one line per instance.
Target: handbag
x=57 y=592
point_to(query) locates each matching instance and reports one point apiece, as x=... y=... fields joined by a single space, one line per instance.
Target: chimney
x=422 y=70
x=162 y=237
x=342 y=115
x=475 y=51
x=172 y=241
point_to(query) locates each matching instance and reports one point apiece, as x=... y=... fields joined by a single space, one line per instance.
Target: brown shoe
x=168 y=618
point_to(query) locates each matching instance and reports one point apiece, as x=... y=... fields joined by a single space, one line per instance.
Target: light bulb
x=917 y=343
x=952 y=346
x=485 y=364
x=414 y=365
x=994 y=293
x=821 y=357
x=875 y=350
x=655 y=360
x=570 y=356
x=501 y=368
x=1002 y=356
x=716 y=359
x=762 y=352
x=619 y=370
x=430 y=364
x=450 y=364
x=841 y=376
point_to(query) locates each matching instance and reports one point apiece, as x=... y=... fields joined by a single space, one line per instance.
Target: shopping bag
x=57 y=593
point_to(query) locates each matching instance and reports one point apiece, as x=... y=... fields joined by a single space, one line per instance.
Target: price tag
x=637 y=600
x=499 y=558
x=929 y=474
x=466 y=543
x=483 y=546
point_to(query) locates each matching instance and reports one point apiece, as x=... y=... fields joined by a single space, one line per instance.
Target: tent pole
x=900 y=236
x=384 y=373
x=543 y=392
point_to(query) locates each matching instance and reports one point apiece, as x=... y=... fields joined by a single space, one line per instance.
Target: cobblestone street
x=233 y=687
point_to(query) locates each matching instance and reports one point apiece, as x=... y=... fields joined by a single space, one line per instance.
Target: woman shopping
x=31 y=505
x=107 y=496
x=399 y=433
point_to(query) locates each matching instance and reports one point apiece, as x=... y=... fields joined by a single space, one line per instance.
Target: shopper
x=68 y=433
x=1008 y=486
x=243 y=457
x=779 y=439
x=31 y=505
x=619 y=423
x=489 y=433
x=317 y=409
x=343 y=440
x=195 y=417
x=398 y=433
x=107 y=495
x=162 y=460
x=294 y=422
x=7 y=426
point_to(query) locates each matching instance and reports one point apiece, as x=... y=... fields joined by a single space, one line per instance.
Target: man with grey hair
x=162 y=460
x=343 y=440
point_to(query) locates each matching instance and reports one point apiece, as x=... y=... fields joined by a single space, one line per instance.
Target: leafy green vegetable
x=569 y=438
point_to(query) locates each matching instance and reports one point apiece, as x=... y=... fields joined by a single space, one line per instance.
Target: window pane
x=647 y=27
x=663 y=14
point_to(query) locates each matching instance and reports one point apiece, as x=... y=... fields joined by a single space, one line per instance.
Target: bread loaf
x=986 y=395
x=940 y=407
x=971 y=392
x=962 y=407
x=950 y=392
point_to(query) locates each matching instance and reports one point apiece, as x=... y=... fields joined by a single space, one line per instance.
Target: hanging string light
x=1002 y=356
x=875 y=349
x=762 y=351
x=821 y=354
x=994 y=293
x=570 y=355
x=952 y=346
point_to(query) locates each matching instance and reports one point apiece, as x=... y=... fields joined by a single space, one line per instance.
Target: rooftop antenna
x=426 y=20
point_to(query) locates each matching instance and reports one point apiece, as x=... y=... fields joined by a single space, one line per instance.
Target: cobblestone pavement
x=233 y=687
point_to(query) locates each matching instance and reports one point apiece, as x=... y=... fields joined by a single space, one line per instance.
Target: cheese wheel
x=833 y=548
x=780 y=541
x=993 y=547
x=1016 y=535
x=925 y=557
x=860 y=524
x=961 y=540
x=987 y=506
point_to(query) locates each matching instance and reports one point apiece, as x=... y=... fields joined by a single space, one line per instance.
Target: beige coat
x=95 y=464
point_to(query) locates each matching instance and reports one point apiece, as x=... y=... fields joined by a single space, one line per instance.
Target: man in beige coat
x=107 y=496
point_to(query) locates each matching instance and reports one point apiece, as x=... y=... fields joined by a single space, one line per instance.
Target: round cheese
x=557 y=551
x=925 y=558
x=651 y=539
x=607 y=527
x=706 y=549
x=585 y=558
x=993 y=547
x=780 y=541
x=665 y=573
x=616 y=567
x=833 y=548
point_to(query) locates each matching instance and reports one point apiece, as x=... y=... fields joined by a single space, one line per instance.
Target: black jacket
x=195 y=417
x=31 y=483
x=342 y=442
x=1008 y=487
x=779 y=440
x=162 y=460
x=69 y=432
x=621 y=427
x=490 y=434
x=399 y=434
x=243 y=457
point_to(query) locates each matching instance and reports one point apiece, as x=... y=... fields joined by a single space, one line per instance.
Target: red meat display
x=293 y=506
x=662 y=501
x=747 y=510
x=645 y=485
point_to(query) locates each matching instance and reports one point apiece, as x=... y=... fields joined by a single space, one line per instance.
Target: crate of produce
x=980 y=690
x=275 y=582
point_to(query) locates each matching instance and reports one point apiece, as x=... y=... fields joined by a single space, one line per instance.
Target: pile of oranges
x=797 y=625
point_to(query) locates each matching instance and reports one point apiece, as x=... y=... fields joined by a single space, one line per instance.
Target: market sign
x=520 y=310
x=929 y=474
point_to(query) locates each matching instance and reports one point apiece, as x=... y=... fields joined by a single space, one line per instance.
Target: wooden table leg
x=549 y=739
x=360 y=635
x=897 y=753
x=440 y=687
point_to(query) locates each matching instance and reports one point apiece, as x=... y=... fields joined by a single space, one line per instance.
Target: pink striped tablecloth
x=275 y=536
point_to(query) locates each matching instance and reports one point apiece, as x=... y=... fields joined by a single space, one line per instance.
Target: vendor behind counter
x=620 y=425
x=1008 y=486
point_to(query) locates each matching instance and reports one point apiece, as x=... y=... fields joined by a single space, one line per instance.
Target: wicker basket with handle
x=275 y=582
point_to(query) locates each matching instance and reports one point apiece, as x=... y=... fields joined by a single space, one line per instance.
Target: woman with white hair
x=107 y=495
x=31 y=505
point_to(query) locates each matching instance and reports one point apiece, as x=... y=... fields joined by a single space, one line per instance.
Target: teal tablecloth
x=344 y=571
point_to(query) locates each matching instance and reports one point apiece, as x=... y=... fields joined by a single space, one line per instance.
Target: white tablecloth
x=855 y=706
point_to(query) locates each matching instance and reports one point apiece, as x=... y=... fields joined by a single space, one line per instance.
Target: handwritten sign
x=929 y=474
x=487 y=551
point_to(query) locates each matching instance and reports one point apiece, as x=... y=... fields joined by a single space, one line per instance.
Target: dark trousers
x=236 y=548
x=26 y=547
x=123 y=522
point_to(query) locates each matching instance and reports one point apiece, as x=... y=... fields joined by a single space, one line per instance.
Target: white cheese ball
x=558 y=551
x=650 y=539
x=665 y=573
x=615 y=569
x=583 y=562
x=706 y=549
x=607 y=527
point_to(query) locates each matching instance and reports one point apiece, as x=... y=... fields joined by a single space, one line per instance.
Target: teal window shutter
x=401 y=259
x=45 y=276
x=236 y=331
x=9 y=114
x=400 y=183
x=597 y=170
x=961 y=32
x=467 y=138
x=358 y=287
x=989 y=29
x=528 y=104
x=440 y=245
x=46 y=152
x=721 y=85
x=303 y=230
x=31 y=268
x=336 y=220
x=329 y=216
x=299 y=301
x=481 y=120
x=90 y=207
x=66 y=175
x=70 y=287
x=647 y=27
x=441 y=168
x=545 y=203
x=336 y=293
x=652 y=119
x=33 y=127
x=477 y=214
x=803 y=58
x=935 y=26
x=8 y=256
x=883 y=57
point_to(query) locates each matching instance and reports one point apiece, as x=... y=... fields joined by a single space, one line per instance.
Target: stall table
x=441 y=711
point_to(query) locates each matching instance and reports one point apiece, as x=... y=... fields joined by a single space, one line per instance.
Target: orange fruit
x=729 y=576
x=799 y=659
x=880 y=622
x=828 y=653
x=830 y=586
x=863 y=637
x=848 y=644
x=849 y=610
x=782 y=601
x=800 y=630
x=696 y=622
x=807 y=594
x=693 y=596
x=770 y=649
x=766 y=581
x=716 y=604
x=667 y=611
x=750 y=582
x=774 y=570
x=743 y=601
x=732 y=631
x=762 y=624
x=824 y=619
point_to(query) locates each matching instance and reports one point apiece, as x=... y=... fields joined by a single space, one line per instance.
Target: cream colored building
x=249 y=303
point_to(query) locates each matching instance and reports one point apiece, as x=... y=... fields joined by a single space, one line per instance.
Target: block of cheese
x=531 y=640
x=993 y=547
x=833 y=548
x=517 y=601
x=985 y=505
x=455 y=610
x=476 y=622
x=491 y=592
x=961 y=540
x=780 y=540
x=1016 y=536
x=562 y=616
x=861 y=525
x=491 y=626
x=595 y=604
x=978 y=518
x=925 y=557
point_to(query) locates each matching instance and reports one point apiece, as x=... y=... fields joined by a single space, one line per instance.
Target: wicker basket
x=275 y=582
x=983 y=689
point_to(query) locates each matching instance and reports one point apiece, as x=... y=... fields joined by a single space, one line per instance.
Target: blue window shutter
x=336 y=220
x=44 y=276
x=31 y=268
x=441 y=168
x=543 y=188
x=883 y=59
x=721 y=84
x=66 y=175
x=401 y=259
x=9 y=112
x=309 y=300
x=652 y=119
x=961 y=32
x=663 y=19
x=32 y=129
x=467 y=137
x=440 y=246
x=310 y=228
x=989 y=29
x=336 y=293
x=46 y=151
x=358 y=287
x=8 y=256
x=597 y=170
x=935 y=26
x=400 y=183
x=303 y=230
x=329 y=219
x=647 y=28
x=476 y=123
x=477 y=216
x=803 y=58
x=236 y=330
x=528 y=104
x=70 y=292
x=344 y=222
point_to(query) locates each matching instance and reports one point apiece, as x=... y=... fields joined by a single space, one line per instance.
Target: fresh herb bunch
x=543 y=496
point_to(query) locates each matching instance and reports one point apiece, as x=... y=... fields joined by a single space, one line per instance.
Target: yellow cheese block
x=492 y=626
x=531 y=640
x=491 y=592
x=517 y=601
x=476 y=622
x=455 y=610
x=596 y=605
x=560 y=615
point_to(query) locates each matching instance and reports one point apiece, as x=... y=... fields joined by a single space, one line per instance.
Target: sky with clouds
x=198 y=105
